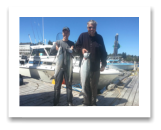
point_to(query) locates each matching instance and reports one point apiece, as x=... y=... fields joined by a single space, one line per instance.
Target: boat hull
x=121 y=66
x=37 y=73
x=106 y=77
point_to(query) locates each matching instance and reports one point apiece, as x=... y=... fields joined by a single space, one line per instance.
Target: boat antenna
x=40 y=31
x=43 y=28
x=33 y=32
x=30 y=38
x=37 y=32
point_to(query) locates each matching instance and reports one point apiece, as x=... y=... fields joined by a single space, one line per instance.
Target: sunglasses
x=92 y=27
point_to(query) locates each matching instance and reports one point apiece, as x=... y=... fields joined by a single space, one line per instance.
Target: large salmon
x=85 y=72
x=59 y=62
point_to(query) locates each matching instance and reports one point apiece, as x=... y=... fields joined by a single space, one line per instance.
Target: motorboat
x=115 y=63
x=41 y=64
x=106 y=76
x=23 y=59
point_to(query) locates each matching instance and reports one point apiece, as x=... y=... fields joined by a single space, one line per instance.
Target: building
x=25 y=49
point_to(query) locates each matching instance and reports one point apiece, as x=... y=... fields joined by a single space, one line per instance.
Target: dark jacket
x=95 y=46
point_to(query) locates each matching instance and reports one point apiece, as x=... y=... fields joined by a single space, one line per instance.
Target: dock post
x=134 y=65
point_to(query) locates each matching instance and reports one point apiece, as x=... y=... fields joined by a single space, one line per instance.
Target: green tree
x=50 y=43
x=107 y=54
x=124 y=55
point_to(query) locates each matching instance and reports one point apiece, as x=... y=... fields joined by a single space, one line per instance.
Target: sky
x=107 y=27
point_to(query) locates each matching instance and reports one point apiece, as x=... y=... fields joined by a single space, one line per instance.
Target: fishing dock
x=35 y=92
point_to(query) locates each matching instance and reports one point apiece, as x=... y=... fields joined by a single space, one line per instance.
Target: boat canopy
x=42 y=51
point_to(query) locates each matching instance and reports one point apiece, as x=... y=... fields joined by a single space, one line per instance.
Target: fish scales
x=85 y=71
x=59 y=61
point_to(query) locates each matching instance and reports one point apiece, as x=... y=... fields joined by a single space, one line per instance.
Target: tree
x=107 y=54
x=125 y=55
x=50 y=43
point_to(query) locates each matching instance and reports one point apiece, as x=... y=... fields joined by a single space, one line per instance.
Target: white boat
x=41 y=64
x=23 y=59
x=106 y=76
x=115 y=63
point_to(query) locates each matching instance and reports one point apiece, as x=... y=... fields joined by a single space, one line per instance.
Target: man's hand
x=72 y=47
x=57 y=46
x=84 y=51
x=102 y=68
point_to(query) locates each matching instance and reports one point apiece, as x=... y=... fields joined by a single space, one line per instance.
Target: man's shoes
x=70 y=104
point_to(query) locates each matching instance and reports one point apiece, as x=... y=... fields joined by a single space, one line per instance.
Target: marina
x=36 y=92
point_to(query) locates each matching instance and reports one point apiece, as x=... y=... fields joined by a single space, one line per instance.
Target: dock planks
x=38 y=93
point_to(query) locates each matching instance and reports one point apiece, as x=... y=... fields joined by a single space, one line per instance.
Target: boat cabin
x=41 y=55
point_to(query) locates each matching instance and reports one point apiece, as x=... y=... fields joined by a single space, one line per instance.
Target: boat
x=106 y=76
x=41 y=64
x=23 y=59
x=115 y=63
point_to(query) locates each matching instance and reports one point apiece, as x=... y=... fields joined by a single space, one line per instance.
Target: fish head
x=86 y=55
x=60 y=51
x=69 y=50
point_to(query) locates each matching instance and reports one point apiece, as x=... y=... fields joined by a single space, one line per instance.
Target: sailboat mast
x=30 y=39
x=43 y=29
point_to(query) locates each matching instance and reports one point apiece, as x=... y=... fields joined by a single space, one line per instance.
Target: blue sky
x=126 y=27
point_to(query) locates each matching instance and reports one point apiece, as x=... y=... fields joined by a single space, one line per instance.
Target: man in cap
x=67 y=46
x=93 y=43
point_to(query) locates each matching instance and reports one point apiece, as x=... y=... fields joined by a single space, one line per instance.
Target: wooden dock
x=38 y=93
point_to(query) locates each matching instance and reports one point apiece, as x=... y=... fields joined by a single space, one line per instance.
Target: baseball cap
x=66 y=28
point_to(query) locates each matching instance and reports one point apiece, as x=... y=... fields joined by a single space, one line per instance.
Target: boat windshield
x=38 y=52
x=52 y=53
x=48 y=50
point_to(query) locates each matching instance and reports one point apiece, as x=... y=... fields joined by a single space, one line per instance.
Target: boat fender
x=111 y=86
x=21 y=80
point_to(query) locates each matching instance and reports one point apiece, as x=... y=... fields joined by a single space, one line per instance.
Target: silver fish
x=85 y=71
x=59 y=62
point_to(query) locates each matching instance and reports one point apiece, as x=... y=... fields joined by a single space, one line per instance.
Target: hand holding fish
x=84 y=51
x=57 y=47
x=102 y=68
x=72 y=47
